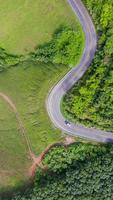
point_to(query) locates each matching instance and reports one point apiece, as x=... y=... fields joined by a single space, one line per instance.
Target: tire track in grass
x=36 y=159
x=18 y=118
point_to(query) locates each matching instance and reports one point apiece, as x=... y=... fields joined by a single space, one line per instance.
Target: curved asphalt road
x=55 y=95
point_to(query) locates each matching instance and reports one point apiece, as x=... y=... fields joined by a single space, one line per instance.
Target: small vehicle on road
x=67 y=123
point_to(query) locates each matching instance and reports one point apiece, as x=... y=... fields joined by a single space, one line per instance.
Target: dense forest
x=78 y=172
x=90 y=101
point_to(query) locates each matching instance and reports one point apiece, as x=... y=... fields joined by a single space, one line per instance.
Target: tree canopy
x=90 y=101
x=65 y=47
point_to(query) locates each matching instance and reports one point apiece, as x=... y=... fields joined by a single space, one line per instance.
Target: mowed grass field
x=28 y=86
x=24 y=25
x=28 y=23
x=14 y=158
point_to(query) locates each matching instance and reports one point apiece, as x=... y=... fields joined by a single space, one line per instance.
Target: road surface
x=53 y=100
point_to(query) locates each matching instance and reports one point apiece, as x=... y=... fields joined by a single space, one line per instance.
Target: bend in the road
x=55 y=95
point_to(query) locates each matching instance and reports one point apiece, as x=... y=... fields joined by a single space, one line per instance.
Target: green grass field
x=14 y=162
x=28 y=85
x=28 y=23
x=25 y=24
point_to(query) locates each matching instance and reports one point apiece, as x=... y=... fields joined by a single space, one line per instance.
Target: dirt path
x=36 y=160
x=18 y=118
x=8 y=100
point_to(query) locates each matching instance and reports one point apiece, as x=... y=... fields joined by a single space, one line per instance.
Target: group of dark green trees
x=64 y=48
x=90 y=101
x=78 y=172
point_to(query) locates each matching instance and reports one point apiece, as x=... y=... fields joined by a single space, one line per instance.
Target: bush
x=65 y=48
x=7 y=60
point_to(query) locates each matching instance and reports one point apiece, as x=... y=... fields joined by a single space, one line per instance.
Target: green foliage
x=78 y=172
x=65 y=48
x=109 y=46
x=90 y=101
x=106 y=14
x=7 y=60
x=60 y=158
x=27 y=23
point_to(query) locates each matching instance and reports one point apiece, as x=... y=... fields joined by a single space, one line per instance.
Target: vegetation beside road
x=81 y=171
x=65 y=47
x=27 y=80
x=90 y=101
